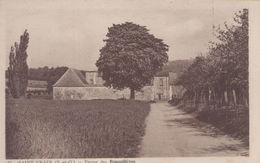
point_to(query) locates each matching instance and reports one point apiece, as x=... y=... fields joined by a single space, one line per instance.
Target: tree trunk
x=221 y=98
x=230 y=97
x=195 y=98
x=132 y=94
x=206 y=97
x=234 y=96
x=209 y=95
x=226 y=97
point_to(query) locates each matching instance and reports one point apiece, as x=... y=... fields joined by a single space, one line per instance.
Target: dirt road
x=172 y=132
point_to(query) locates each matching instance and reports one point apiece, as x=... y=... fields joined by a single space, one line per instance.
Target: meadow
x=40 y=128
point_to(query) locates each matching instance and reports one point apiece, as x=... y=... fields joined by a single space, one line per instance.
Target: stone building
x=161 y=87
x=87 y=85
x=164 y=88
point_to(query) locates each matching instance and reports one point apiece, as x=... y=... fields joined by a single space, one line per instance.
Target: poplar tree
x=18 y=68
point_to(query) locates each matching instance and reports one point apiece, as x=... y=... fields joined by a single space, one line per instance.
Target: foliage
x=224 y=68
x=176 y=66
x=131 y=57
x=38 y=128
x=51 y=75
x=18 y=68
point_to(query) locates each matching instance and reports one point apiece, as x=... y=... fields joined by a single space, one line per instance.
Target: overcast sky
x=70 y=33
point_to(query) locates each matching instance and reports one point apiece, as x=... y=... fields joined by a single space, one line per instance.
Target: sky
x=71 y=33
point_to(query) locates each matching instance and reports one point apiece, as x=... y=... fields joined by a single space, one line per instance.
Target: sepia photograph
x=126 y=79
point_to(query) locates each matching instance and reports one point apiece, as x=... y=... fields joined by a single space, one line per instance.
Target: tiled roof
x=81 y=75
x=71 y=78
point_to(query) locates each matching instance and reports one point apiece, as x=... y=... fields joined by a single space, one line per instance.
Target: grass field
x=38 y=128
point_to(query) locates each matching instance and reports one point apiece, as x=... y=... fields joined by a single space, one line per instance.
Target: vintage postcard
x=128 y=81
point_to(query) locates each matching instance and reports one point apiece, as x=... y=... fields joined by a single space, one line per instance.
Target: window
x=161 y=82
x=91 y=81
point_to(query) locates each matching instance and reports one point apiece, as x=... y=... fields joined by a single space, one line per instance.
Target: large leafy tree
x=18 y=68
x=131 y=57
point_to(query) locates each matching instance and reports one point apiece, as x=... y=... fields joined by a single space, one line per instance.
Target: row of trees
x=221 y=77
x=51 y=75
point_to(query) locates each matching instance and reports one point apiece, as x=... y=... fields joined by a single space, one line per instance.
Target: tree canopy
x=225 y=67
x=130 y=57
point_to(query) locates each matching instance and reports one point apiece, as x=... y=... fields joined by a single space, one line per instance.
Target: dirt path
x=171 y=132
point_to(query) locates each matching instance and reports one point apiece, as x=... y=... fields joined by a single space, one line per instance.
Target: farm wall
x=89 y=93
x=146 y=94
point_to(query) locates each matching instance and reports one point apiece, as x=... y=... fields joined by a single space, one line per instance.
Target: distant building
x=87 y=85
x=161 y=87
x=164 y=88
x=36 y=85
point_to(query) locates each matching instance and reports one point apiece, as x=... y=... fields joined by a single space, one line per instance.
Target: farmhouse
x=87 y=85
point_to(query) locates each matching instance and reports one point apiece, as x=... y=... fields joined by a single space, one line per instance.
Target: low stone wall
x=146 y=94
x=89 y=93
